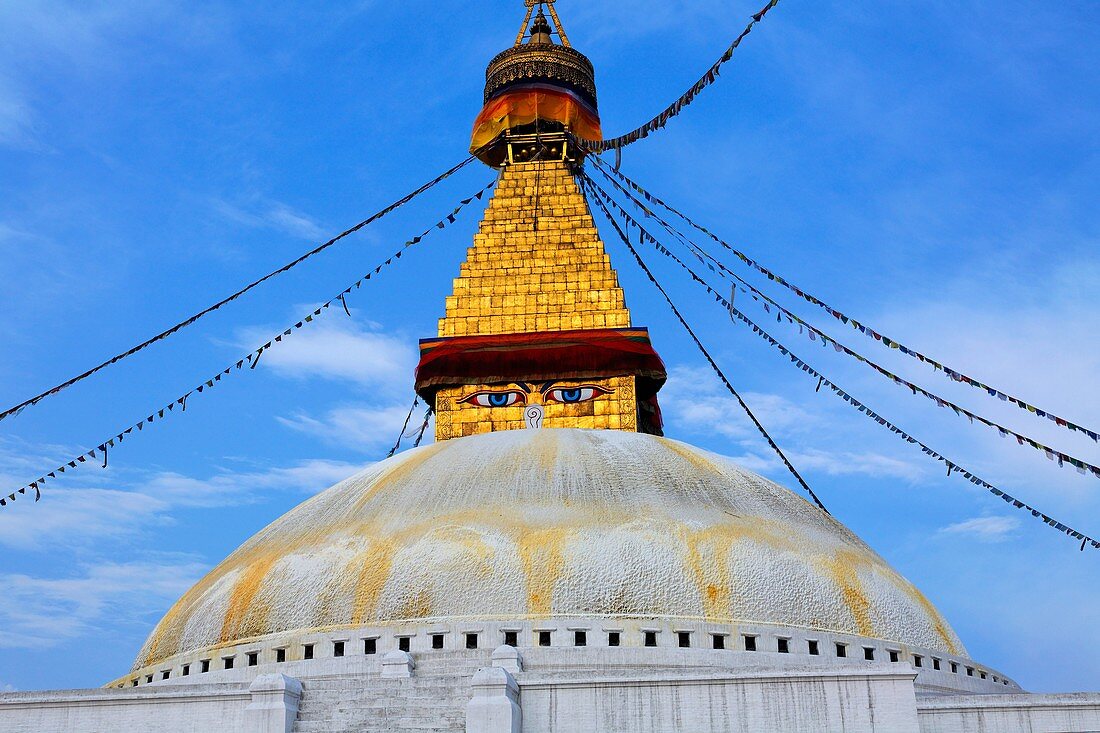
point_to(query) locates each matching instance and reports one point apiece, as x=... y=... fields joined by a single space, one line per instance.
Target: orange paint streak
x=708 y=560
x=543 y=560
x=842 y=567
x=396 y=474
x=416 y=605
x=371 y=570
x=165 y=639
x=692 y=456
x=939 y=624
x=241 y=609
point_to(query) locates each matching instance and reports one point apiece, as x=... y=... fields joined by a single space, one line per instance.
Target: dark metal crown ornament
x=538 y=62
x=538 y=94
x=541 y=59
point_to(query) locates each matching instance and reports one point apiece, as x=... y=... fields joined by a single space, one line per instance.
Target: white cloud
x=986 y=529
x=293 y=222
x=274 y=215
x=74 y=516
x=40 y=612
x=362 y=428
x=78 y=516
x=695 y=401
x=1023 y=337
x=344 y=349
x=232 y=487
x=336 y=347
x=852 y=463
x=831 y=463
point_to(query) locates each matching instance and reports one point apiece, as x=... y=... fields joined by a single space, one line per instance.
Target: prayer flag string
x=856 y=404
x=815 y=334
x=400 y=435
x=14 y=411
x=618 y=143
x=248 y=360
x=713 y=365
x=953 y=374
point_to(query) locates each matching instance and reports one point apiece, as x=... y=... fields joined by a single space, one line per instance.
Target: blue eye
x=573 y=395
x=496 y=399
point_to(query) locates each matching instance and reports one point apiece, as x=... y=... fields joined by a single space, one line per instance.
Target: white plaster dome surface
x=550 y=523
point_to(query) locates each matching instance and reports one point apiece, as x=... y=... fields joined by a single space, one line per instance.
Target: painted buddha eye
x=496 y=399
x=572 y=395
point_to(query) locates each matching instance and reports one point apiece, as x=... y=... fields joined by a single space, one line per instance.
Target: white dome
x=532 y=524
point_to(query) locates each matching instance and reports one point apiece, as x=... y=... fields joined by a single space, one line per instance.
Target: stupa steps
x=574 y=218
x=475 y=277
x=434 y=699
x=525 y=277
x=460 y=309
x=523 y=229
x=531 y=286
x=385 y=724
x=549 y=220
x=578 y=263
x=529 y=294
x=586 y=253
x=512 y=265
x=564 y=254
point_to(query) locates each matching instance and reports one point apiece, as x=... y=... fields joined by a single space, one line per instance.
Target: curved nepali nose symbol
x=533 y=416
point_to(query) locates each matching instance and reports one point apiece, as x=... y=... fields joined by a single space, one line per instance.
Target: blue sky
x=929 y=167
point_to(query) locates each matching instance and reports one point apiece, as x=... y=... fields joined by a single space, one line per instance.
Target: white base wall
x=550 y=690
x=871 y=701
x=190 y=709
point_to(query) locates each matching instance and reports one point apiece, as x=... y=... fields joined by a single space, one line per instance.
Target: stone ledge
x=127 y=696
x=665 y=678
x=992 y=702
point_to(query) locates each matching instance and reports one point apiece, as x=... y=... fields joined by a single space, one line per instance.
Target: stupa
x=552 y=562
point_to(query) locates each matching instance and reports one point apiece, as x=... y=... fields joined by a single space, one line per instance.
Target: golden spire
x=536 y=332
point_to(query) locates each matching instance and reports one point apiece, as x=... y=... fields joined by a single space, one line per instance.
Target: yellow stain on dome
x=416 y=605
x=371 y=569
x=241 y=606
x=395 y=474
x=708 y=559
x=708 y=554
x=938 y=622
x=545 y=450
x=543 y=560
x=167 y=632
x=842 y=567
x=697 y=460
x=476 y=553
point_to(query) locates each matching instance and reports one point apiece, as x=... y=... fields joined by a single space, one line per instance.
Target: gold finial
x=557 y=23
x=531 y=4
